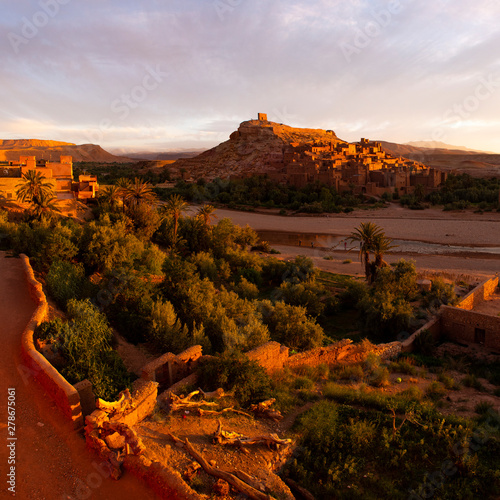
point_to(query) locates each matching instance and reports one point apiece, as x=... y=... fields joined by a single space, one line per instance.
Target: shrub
x=303 y=383
x=379 y=377
x=483 y=407
x=404 y=365
x=435 y=390
x=347 y=261
x=65 y=281
x=440 y=293
x=291 y=326
x=233 y=370
x=246 y=290
x=52 y=331
x=470 y=380
x=449 y=382
x=86 y=345
x=412 y=393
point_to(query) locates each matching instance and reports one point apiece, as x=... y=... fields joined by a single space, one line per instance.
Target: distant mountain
x=460 y=161
x=164 y=155
x=442 y=145
x=12 y=149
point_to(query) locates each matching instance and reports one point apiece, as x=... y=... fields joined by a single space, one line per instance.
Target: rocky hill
x=12 y=149
x=257 y=146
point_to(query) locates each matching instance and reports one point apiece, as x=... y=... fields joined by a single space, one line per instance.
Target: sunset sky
x=172 y=74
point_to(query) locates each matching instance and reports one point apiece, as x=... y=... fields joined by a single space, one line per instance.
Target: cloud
x=222 y=61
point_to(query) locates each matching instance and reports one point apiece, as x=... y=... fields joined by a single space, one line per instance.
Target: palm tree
x=381 y=245
x=174 y=208
x=123 y=185
x=33 y=186
x=206 y=213
x=44 y=206
x=366 y=234
x=139 y=192
x=111 y=195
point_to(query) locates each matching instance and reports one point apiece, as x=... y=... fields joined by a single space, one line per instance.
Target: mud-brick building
x=58 y=174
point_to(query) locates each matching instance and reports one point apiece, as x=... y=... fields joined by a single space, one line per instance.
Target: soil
x=52 y=461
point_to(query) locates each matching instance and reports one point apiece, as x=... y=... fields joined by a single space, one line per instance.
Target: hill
x=459 y=161
x=258 y=146
x=12 y=149
x=442 y=145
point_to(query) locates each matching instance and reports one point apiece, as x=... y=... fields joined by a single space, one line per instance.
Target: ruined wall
x=60 y=390
x=170 y=368
x=434 y=326
x=480 y=294
x=271 y=356
x=463 y=326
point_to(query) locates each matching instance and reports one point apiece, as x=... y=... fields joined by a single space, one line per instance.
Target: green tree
x=206 y=213
x=371 y=239
x=33 y=186
x=174 y=208
x=139 y=192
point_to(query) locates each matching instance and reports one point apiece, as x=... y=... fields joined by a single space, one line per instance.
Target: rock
x=221 y=488
x=115 y=441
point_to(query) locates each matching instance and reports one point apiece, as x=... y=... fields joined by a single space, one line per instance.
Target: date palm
x=139 y=192
x=32 y=186
x=174 y=208
x=207 y=213
x=111 y=195
x=43 y=206
x=371 y=239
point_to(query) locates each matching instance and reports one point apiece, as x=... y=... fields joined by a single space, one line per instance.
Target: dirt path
x=52 y=462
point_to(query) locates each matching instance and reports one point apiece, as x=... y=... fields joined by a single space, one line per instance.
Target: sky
x=159 y=75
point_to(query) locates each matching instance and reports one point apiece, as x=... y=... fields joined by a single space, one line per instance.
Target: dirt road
x=51 y=462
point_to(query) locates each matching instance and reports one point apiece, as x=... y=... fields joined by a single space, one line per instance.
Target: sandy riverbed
x=432 y=225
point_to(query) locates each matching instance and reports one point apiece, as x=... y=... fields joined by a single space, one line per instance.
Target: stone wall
x=464 y=326
x=480 y=294
x=271 y=356
x=170 y=368
x=60 y=390
x=434 y=326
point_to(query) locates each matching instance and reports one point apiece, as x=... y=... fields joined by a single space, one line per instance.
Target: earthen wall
x=60 y=390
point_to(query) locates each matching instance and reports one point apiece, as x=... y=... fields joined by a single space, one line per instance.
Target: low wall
x=479 y=295
x=434 y=326
x=271 y=356
x=170 y=368
x=464 y=325
x=60 y=390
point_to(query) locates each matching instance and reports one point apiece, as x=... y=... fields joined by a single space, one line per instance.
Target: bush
x=234 y=371
x=52 y=331
x=86 y=346
x=470 y=380
x=435 y=390
x=65 y=281
x=449 y=382
x=440 y=293
x=291 y=326
x=483 y=407
x=404 y=365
